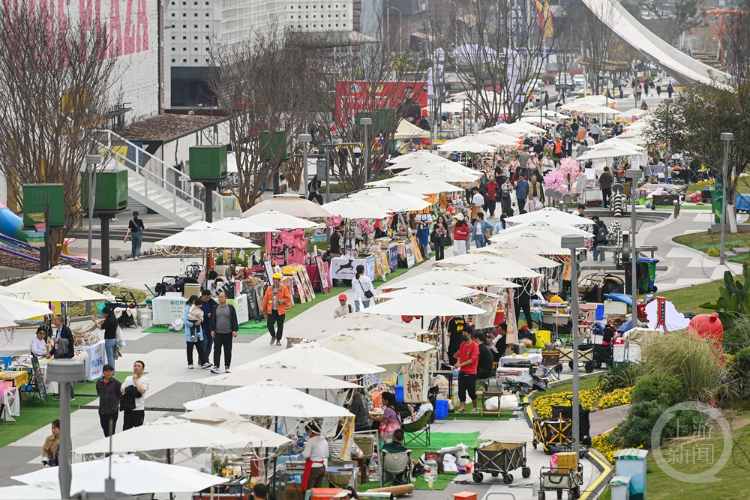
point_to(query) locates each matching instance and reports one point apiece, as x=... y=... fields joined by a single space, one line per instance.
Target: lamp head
x=305 y=138
x=727 y=136
x=633 y=173
x=573 y=242
x=365 y=121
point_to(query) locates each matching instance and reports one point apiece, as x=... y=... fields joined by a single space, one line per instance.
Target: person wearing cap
x=461 y=232
x=274 y=303
x=108 y=390
x=231 y=271
x=135 y=231
x=343 y=309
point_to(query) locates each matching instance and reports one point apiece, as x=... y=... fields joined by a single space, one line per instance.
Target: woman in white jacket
x=362 y=287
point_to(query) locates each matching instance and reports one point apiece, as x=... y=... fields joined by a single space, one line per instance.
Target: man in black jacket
x=64 y=345
x=108 y=390
x=485 y=362
x=224 y=327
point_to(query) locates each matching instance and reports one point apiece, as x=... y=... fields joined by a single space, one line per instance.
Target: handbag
x=488 y=233
x=367 y=293
x=120 y=342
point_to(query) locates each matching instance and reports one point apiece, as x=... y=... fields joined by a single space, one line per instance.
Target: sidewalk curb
x=599 y=484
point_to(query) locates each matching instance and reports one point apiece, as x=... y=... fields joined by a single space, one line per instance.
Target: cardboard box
x=191 y=289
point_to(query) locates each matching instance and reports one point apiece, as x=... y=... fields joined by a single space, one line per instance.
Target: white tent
x=168 y=433
x=132 y=476
x=277 y=220
x=450 y=291
x=600 y=110
x=76 y=276
x=50 y=288
x=272 y=399
x=412 y=186
x=374 y=336
x=216 y=416
x=12 y=308
x=317 y=359
x=466 y=144
x=353 y=208
x=205 y=235
x=551 y=215
x=289 y=375
x=586 y=102
x=365 y=351
x=407 y=130
x=289 y=204
x=515 y=129
x=424 y=304
x=238 y=225
x=390 y=202
x=528 y=259
x=442 y=276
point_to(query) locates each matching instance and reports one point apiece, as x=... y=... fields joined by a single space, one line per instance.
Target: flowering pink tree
x=564 y=177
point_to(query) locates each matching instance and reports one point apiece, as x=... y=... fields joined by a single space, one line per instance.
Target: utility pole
x=727 y=137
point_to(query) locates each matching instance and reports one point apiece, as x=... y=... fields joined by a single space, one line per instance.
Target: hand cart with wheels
x=602 y=354
x=499 y=459
x=551 y=432
x=585 y=354
x=561 y=479
x=584 y=426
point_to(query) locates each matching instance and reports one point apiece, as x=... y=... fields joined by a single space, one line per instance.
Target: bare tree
x=735 y=39
x=500 y=46
x=267 y=85
x=596 y=40
x=55 y=80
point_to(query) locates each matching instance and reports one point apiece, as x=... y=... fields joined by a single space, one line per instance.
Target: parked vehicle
x=564 y=82
x=579 y=80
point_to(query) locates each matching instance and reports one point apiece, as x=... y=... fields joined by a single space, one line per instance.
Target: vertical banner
x=415 y=379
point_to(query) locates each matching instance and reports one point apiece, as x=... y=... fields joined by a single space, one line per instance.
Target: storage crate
x=399 y=393
x=441 y=409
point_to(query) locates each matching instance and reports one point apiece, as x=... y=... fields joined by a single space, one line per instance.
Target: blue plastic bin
x=441 y=409
x=400 y=393
x=599 y=312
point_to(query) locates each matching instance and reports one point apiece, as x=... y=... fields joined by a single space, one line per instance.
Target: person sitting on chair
x=397 y=445
x=424 y=407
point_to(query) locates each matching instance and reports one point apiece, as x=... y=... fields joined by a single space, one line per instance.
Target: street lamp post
x=91 y=162
x=304 y=139
x=633 y=174
x=431 y=98
x=727 y=137
x=400 y=28
x=365 y=122
x=573 y=243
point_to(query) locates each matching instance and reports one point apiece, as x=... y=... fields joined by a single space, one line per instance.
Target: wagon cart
x=584 y=426
x=585 y=354
x=551 y=432
x=561 y=479
x=499 y=459
x=602 y=354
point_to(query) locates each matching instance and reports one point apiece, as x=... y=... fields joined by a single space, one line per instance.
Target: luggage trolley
x=584 y=354
x=499 y=459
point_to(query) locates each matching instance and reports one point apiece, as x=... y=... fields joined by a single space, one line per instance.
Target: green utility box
x=717 y=202
x=110 y=190
x=35 y=198
x=270 y=146
x=208 y=163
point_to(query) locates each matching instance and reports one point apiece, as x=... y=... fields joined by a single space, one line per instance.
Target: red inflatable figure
x=708 y=327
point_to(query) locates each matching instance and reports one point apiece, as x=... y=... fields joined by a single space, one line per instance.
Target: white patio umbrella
x=515 y=129
x=289 y=375
x=545 y=113
x=4 y=291
x=441 y=174
x=238 y=225
x=29 y=492
x=637 y=112
x=353 y=208
x=586 y=102
x=550 y=227
x=132 y=476
x=599 y=110
x=528 y=259
x=448 y=166
x=365 y=351
x=73 y=275
x=423 y=156
x=537 y=119
x=432 y=161
x=277 y=220
x=8 y=323
x=450 y=291
x=608 y=151
x=551 y=215
x=358 y=319
x=495 y=139
x=410 y=185
x=424 y=304
x=289 y=204
x=391 y=202
x=489 y=268
x=442 y=276
x=12 y=308
x=466 y=144
x=217 y=416
x=508 y=265
x=168 y=433
x=317 y=359
x=54 y=288
x=272 y=399
x=535 y=242
x=375 y=336
x=617 y=143
x=205 y=235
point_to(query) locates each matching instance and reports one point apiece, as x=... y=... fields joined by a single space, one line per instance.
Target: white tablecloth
x=167 y=309
x=96 y=359
x=343 y=268
x=530 y=359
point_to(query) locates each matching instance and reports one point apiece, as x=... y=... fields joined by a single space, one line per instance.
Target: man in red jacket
x=468 y=359
x=492 y=186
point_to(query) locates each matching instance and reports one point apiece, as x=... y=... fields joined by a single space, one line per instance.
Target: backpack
x=601 y=234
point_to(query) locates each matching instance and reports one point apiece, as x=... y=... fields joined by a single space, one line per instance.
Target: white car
x=537 y=85
x=579 y=80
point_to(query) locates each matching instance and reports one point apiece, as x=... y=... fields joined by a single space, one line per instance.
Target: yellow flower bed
x=603 y=445
x=708 y=182
x=543 y=404
x=617 y=397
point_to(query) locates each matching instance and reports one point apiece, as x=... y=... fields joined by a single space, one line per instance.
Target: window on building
x=206 y=60
x=206 y=38
x=173 y=26
x=184 y=49
x=206 y=14
x=196 y=60
x=195 y=49
x=195 y=15
x=206 y=26
x=183 y=26
x=173 y=38
x=184 y=38
x=195 y=26
x=172 y=14
x=184 y=14
x=184 y=60
x=195 y=38
x=173 y=49
x=173 y=60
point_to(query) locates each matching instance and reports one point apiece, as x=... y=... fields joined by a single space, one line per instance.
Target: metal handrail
x=163 y=182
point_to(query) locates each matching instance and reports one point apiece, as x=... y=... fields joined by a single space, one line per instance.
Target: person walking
x=492 y=187
x=600 y=237
x=546 y=100
x=109 y=325
x=468 y=358
x=670 y=89
x=133 y=400
x=313 y=188
x=224 y=328
x=461 y=233
x=342 y=310
x=275 y=302
x=536 y=194
x=478 y=234
x=506 y=197
x=438 y=237
x=596 y=131
x=207 y=304
x=638 y=92
x=362 y=288
x=423 y=222
x=605 y=184
x=108 y=389
x=522 y=190
x=477 y=200
x=193 y=316
x=135 y=231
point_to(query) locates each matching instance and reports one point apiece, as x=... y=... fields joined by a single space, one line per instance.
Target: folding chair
x=551 y=362
x=368 y=443
x=419 y=431
x=395 y=468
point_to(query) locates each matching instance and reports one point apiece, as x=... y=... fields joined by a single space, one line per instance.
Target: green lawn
x=584 y=384
x=34 y=415
x=743 y=186
x=689 y=299
x=711 y=243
